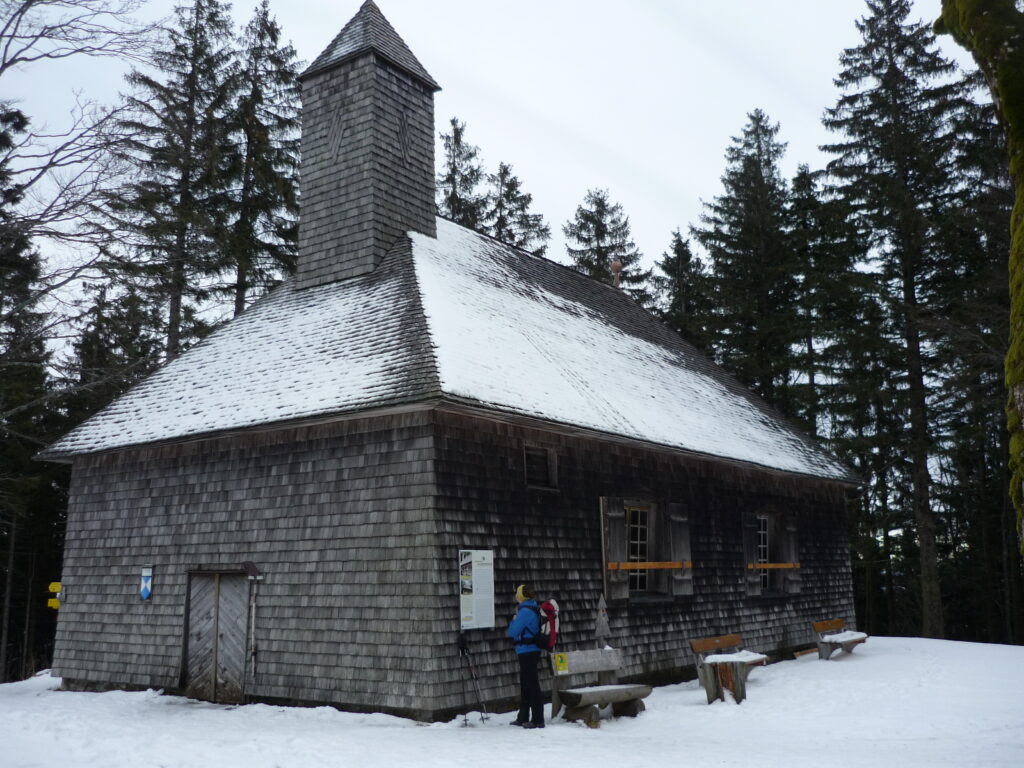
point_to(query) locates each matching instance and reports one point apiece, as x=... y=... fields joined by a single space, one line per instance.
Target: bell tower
x=367 y=169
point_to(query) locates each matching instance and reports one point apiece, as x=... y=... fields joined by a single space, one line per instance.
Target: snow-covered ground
x=894 y=702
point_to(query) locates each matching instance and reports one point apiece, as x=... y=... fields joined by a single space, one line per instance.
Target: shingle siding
x=337 y=518
x=553 y=538
x=355 y=527
x=364 y=184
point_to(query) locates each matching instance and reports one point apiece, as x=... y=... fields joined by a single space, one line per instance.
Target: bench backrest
x=578 y=662
x=830 y=625
x=715 y=644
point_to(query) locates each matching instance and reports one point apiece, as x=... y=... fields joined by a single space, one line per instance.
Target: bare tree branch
x=41 y=30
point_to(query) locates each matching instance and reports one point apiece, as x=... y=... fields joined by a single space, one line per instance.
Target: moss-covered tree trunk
x=993 y=31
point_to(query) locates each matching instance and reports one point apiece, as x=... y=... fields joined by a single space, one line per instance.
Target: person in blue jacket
x=523 y=629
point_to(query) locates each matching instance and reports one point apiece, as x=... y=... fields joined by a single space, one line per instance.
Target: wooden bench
x=584 y=703
x=722 y=665
x=833 y=634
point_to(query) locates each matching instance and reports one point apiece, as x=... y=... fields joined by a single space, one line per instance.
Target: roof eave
x=315 y=68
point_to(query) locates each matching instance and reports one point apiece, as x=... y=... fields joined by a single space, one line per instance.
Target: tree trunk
x=932 y=623
x=27 y=635
x=992 y=32
x=244 y=228
x=8 y=591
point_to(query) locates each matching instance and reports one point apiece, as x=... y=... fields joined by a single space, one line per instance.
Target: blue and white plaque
x=146 y=586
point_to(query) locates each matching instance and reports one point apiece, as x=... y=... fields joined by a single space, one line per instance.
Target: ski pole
x=468 y=657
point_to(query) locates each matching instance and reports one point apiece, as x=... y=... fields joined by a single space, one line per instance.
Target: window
x=646 y=548
x=541 y=471
x=770 y=554
x=763 y=548
x=637 y=550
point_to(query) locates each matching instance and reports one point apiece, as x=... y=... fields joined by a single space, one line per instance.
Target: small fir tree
x=681 y=289
x=599 y=235
x=260 y=242
x=752 y=268
x=457 y=196
x=117 y=346
x=507 y=214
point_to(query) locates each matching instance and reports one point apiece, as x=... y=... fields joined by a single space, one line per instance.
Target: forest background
x=867 y=299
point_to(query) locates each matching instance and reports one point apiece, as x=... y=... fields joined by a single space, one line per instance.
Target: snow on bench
x=745 y=657
x=722 y=665
x=832 y=635
x=583 y=703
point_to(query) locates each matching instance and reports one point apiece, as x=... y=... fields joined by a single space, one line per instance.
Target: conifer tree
x=260 y=242
x=892 y=164
x=600 y=233
x=179 y=203
x=682 y=291
x=506 y=213
x=981 y=575
x=458 y=198
x=117 y=346
x=26 y=392
x=824 y=251
x=752 y=270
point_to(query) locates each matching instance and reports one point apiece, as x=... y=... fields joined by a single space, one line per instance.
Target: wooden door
x=217 y=636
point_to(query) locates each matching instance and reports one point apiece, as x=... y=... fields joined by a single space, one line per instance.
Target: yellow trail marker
x=55 y=586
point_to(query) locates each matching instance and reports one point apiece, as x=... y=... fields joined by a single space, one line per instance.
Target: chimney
x=367 y=171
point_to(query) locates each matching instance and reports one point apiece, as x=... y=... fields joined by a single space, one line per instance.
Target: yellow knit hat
x=519 y=593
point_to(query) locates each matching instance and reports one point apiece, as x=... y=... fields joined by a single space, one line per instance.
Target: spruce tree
x=506 y=213
x=892 y=164
x=824 y=251
x=261 y=240
x=600 y=233
x=682 y=292
x=178 y=206
x=116 y=347
x=743 y=231
x=458 y=198
x=27 y=488
x=981 y=577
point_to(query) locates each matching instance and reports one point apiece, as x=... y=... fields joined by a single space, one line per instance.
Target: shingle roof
x=465 y=317
x=297 y=353
x=369 y=30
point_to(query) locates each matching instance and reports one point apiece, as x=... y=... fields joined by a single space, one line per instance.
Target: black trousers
x=532 y=706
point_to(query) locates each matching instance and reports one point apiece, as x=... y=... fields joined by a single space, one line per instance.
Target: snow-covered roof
x=368 y=30
x=465 y=317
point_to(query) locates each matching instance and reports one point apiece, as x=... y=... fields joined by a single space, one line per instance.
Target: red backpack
x=547 y=637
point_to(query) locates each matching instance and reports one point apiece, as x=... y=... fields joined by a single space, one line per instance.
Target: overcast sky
x=638 y=97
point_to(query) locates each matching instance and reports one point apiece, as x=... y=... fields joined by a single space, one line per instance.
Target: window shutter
x=681 y=580
x=792 y=556
x=752 y=576
x=613 y=537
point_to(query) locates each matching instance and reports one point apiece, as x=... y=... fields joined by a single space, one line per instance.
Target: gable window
x=646 y=549
x=541 y=471
x=770 y=554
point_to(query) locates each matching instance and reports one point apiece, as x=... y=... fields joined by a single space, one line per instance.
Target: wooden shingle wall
x=337 y=518
x=367 y=167
x=553 y=538
x=355 y=527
